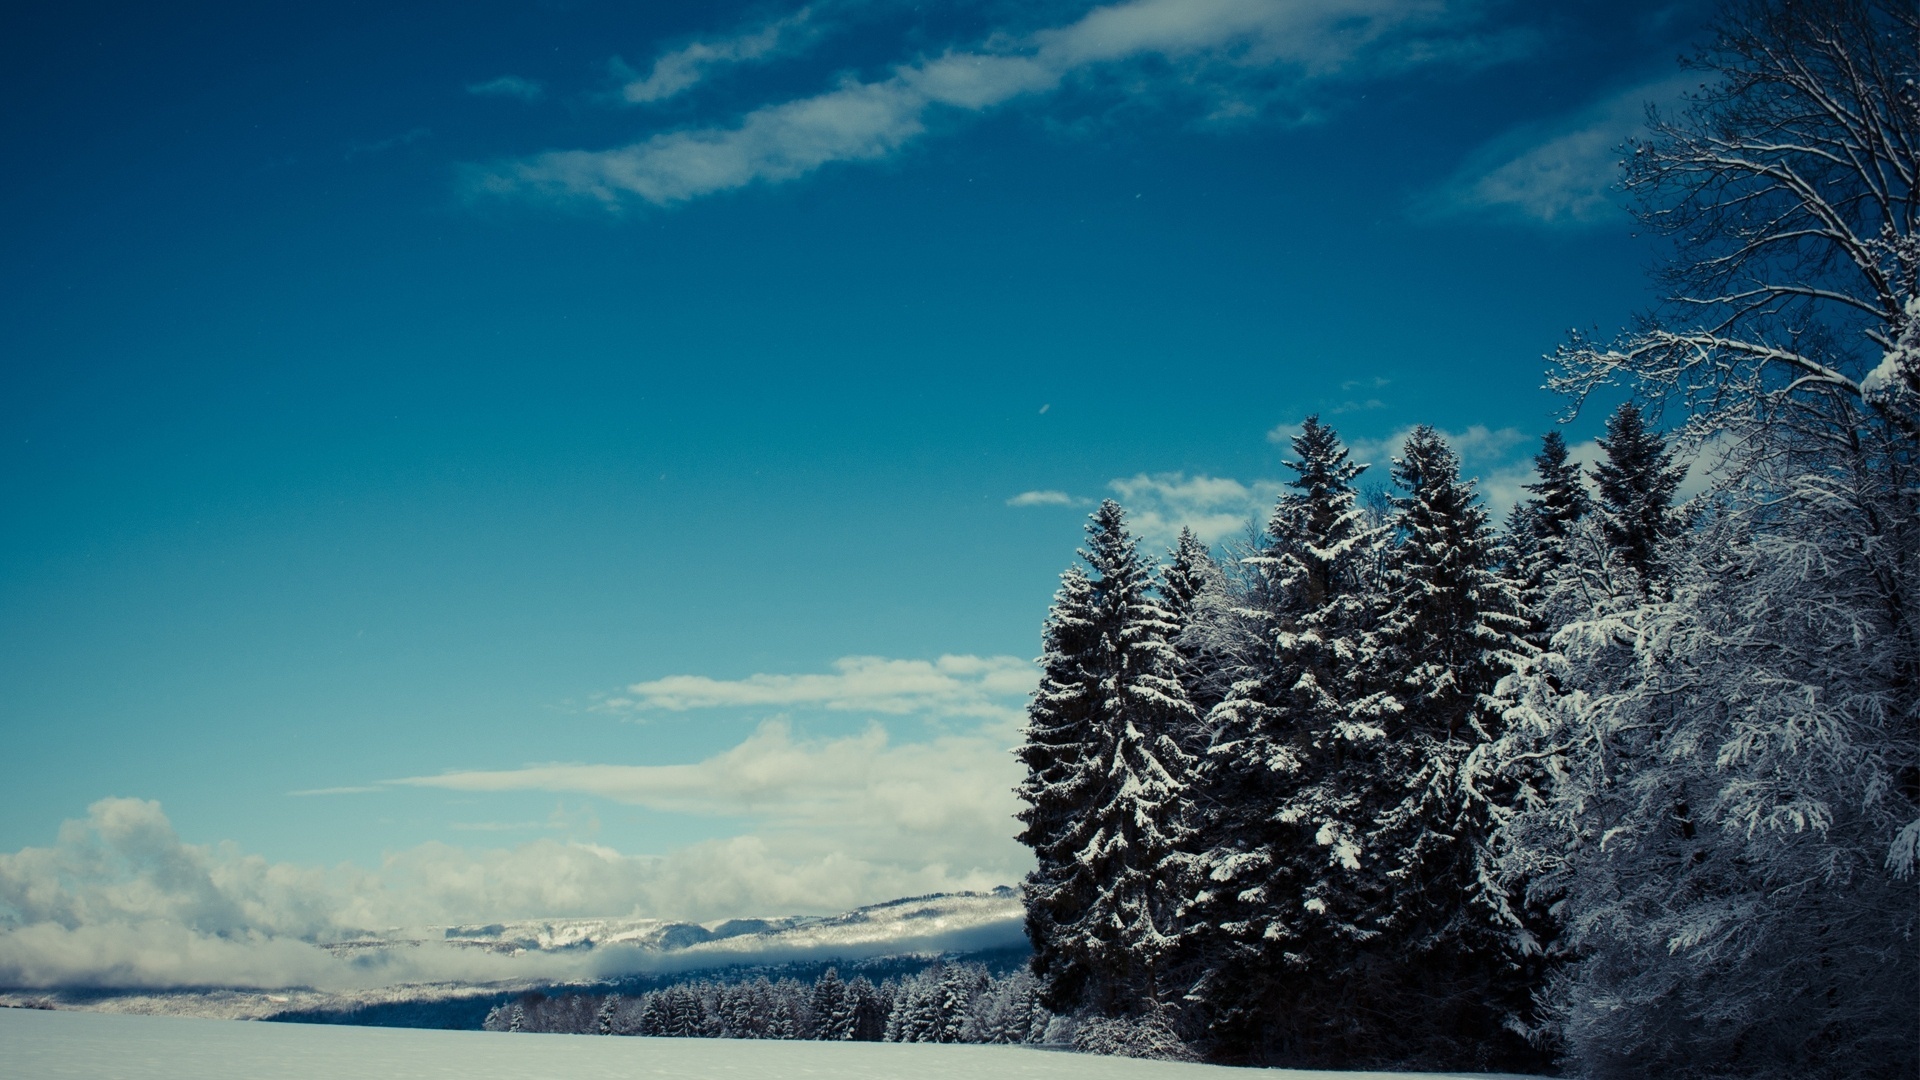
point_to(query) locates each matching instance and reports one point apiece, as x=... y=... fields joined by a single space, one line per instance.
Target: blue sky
x=399 y=396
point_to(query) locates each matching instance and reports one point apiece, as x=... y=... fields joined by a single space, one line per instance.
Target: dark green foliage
x=1311 y=604
x=1106 y=789
x=1637 y=483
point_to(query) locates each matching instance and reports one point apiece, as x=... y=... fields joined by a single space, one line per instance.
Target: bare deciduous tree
x=1787 y=185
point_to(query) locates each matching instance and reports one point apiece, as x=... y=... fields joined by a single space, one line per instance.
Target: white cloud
x=1478 y=443
x=826 y=824
x=405 y=138
x=948 y=800
x=1564 y=175
x=1215 y=507
x=120 y=901
x=680 y=70
x=780 y=142
x=975 y=686
x=1283 y=434
x=1044 y=498
x=1161 y=504
x=1486 y=454
x=1299 y=41
x=509 y=86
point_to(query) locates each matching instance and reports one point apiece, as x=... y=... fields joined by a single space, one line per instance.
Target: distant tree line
x=947 y=1002
x=1626 y=785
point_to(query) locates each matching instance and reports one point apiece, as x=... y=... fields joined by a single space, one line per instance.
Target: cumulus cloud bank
x=121 y=901
x=1292 y=42
x=827 y=824
x=1214 y=507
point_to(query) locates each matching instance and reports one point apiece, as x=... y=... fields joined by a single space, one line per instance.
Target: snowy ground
x=41 y=1045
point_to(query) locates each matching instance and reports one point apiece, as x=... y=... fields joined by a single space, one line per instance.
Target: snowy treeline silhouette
x=1630 y=785
x=945 y=1003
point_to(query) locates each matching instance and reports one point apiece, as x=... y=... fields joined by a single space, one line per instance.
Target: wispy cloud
x=974 y=686
x=357 y=790
x=1161 y=504
x=405 y=138
x=1298 y=42
x=1283 y=433
x=680 y=70
x=949 y=798
x=1045 y=498
x=1560 y=173
x=509 y=86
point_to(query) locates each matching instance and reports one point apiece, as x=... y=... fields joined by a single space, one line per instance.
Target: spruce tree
x=1559 y=500
x=1637 y=483
x=1453 y=629
x=1192 y=589
x=1107 y=786
x=1287 y=718
x=1540 y=533
x=1406 y=952
x=830 y=1009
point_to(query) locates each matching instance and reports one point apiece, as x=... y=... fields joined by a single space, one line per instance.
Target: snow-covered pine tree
x=1007 y=1011
x=1396 y=921
x=869 y=1007
x=1541 y=529
x=1107 y=788
x=960 y=986
x=1193 y=590
x=1058 y=789
x=832 y=1007
x=830 y=1014
x=1559 y=500
x=1637 y=482
x=1287 y=710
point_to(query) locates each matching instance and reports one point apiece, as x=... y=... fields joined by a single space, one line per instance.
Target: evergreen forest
x=1626 y=784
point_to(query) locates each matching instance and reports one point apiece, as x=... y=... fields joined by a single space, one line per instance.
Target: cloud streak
x=1044 y=498
x=684 y=68
x=969 y=686
x=947 y=800
x=1564 y=174
x=509 y=86
x=1304 y=41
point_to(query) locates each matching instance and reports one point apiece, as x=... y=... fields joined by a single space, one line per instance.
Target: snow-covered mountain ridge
x=942 y=922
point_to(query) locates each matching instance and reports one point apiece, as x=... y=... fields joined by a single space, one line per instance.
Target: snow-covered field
x=41 y=1045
